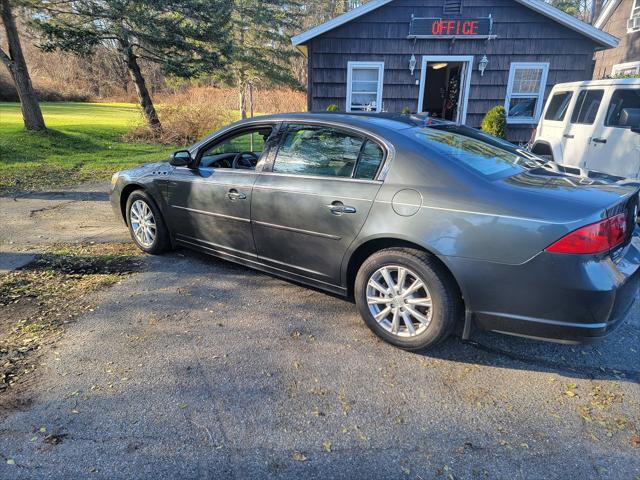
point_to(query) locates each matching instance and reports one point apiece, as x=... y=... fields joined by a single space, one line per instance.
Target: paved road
x=196 y=368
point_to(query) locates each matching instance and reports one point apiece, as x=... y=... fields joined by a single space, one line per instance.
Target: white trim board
x=608 y=9
x=464 y=94
x=598 y=36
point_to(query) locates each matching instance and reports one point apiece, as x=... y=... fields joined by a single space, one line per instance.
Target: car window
x=316 y=150
x=587 y=107
x=369 y=162
x=624 y=106
x=480 y=156
x=250 y=143
x=558 y=106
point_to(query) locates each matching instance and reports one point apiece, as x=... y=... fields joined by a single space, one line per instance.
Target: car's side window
x=318 y=150
x=587 y=106
x=624 y=109
x=369 y=162
x=238 y=151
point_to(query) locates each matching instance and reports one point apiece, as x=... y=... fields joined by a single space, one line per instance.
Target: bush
x=405 y=111
x=333 y=108
x=495 y=122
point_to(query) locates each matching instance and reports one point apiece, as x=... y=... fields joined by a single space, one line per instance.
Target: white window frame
x=617 y=69
x=379 y=66
x=539 y=104
x=635 y=13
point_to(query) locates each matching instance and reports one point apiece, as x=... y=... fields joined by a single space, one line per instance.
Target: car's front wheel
x=407 y=298
x=146 y=224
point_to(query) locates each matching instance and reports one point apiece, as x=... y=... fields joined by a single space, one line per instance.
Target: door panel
x=613 y=147
x=211 y=208
x=305 y=225
x=577 y=136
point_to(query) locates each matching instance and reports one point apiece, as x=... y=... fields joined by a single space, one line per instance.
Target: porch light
x=482 y=66
x=438 y=66
x=412 y=63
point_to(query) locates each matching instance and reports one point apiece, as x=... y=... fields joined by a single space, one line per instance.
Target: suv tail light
x=598 y=237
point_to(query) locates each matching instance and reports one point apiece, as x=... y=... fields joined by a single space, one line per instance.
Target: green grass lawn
x=82 y=143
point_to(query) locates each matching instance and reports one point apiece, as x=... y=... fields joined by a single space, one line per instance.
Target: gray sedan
x=425 y=223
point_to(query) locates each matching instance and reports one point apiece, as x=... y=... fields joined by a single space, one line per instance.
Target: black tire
x=446 y=307
x=161 y=242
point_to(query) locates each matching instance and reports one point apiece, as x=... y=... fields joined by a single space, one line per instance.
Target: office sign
x=450 y=27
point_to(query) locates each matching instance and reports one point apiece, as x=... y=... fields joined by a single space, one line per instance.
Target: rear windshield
x=476 y=154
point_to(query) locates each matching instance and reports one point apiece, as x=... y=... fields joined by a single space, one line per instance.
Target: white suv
x=593 y=125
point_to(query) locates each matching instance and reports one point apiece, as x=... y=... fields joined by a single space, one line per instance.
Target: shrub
x=495 y=122
x=405 y=110
x=333 y=108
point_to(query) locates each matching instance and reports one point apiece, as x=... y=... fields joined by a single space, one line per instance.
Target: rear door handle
x=233 y=194
x=599 y=140
x=566 y=135
x=339 y=208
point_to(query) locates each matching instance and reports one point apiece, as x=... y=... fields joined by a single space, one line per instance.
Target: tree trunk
x=242 y=94
x=251 y=99
x=17 y=66
x=144 y=98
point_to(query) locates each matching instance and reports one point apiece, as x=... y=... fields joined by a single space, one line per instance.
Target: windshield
x=480 y=156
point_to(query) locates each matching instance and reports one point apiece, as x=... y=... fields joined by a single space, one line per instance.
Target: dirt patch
x=37 y=300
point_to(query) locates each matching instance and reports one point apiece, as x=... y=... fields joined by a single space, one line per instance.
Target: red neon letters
x=454 y=27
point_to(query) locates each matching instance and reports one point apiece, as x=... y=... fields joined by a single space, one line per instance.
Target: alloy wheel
x=399 y=301
x=143 y=223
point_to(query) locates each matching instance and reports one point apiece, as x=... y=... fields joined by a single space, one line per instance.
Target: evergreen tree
x=17 y=66
x=262 y=52
x=186 y=37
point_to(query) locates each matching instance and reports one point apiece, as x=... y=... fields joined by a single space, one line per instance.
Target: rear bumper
x=563 y=298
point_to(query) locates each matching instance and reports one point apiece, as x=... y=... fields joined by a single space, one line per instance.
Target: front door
x=444 y=87
x=311 y=206
x=614 y=148
x=210 y=206
x=579 y=130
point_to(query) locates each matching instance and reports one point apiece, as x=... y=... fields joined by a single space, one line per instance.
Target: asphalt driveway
x=197 y=368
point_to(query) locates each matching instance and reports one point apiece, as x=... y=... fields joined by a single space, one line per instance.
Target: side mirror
x=181 y=158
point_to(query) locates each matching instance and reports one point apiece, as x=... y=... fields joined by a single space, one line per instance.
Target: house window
x=624 y=69
x=525 y=92
x=634 y=21
x=364 y=86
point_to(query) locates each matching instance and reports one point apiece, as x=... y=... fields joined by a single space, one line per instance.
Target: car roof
x=392 y=121
x=599 y=83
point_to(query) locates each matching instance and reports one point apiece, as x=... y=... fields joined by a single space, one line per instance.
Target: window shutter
x=452 y=7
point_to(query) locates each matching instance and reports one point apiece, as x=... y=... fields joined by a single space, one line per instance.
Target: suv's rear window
x=558 y=106
x=480 y=156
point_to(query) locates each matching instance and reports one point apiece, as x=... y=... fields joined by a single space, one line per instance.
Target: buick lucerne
x=424 y=223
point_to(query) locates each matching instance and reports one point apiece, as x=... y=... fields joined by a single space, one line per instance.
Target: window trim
x=623 y=66
x=635 y=13
x=351 y=65
x=541 y=91
x=387 y=149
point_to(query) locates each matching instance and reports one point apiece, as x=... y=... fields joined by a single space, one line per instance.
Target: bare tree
x=17 y=66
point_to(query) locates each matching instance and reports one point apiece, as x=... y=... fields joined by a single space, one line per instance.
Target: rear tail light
x=598 y=237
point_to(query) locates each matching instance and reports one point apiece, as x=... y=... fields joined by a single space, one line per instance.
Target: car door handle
x=339 y=208
x=566 y=135
x=233 y=194
x=599 y=140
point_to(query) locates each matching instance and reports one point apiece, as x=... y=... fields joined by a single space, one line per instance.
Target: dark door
x=310 y=207
x=210 y=205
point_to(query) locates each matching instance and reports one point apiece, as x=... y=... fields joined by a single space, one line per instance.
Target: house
x=622 y=19
x=455 y=59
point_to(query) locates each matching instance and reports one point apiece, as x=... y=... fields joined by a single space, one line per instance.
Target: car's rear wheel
x=407 y=298
x=146 y=225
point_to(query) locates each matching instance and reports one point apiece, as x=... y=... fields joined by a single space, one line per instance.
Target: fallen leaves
x=327 y=446
x=299 y=457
